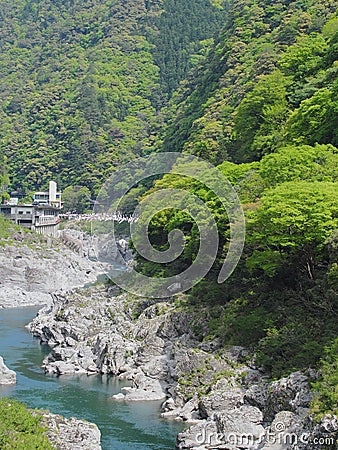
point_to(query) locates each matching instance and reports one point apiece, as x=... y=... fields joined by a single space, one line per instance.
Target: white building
x=42 y=215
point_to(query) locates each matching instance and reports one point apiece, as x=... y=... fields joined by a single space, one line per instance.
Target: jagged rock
x=241 y=427
x=29 y=275
x=63 y=368
x=144 y=388
x=168 y=405
x=147 y=343
x=135 y=395
x=223 y=397
x=324 y=434
x=200 y=436
x=210 y=346
x=188 y=413
x=291 y=393
x=7 y=376
x=72 y=434
x=256 y=395
x=280 y=433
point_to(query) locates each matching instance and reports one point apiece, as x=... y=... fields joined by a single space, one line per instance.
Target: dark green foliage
x=326 y=400
x=79 y=90
x=21 y=429
x=259 y=118
x=294 y=219
x=3 y=177
x=281 y=300
x=318 y=163
x=267 y=92
x=257 y=88
x=181 y=34
x=76 y=199
x=316 y=119
x=82 y=84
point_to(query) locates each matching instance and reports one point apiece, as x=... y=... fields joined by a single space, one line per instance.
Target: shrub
x=21 y=428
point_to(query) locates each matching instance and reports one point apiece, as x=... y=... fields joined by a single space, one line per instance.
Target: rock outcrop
x=7 y=376
x=262 y=415
x=226 y=403
x=90 y=331
x=71 y=434
x=28 y=274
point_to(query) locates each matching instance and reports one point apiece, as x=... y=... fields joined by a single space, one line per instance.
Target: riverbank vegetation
x=21 y=428
x=8 y=229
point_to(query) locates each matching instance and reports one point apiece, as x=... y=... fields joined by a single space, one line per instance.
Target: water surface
x=132 y=426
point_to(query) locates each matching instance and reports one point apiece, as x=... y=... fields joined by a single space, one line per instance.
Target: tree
x=326 y=401
x=304 y=56
x=76 y=198
x=303 y=162
x=4 y=180
x=316 y=119
x=295 y=219
x=21 y=428
x=260 y=117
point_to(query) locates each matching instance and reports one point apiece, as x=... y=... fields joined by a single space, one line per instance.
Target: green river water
x=132 y=426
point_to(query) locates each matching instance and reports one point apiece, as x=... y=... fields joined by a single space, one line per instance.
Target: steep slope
x=80 y=86
x=265 y=98
x=273 y=63
x=181 y=35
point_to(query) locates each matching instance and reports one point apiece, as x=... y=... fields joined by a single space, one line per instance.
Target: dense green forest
x=81 y=91
x=269 y=80
x=249 y=85
x=78 y=89
x=264 y=106
x=181 y=35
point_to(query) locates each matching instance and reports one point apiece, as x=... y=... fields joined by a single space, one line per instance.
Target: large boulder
x=291 y=393
x=72 y=434
x=7 y=376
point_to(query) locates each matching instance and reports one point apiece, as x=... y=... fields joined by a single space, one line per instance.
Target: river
x=124 y=426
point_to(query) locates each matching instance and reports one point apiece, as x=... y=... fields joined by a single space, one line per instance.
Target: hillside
x=181 y=35
x=263 y=105
x=82 y=83
x=87 y=88
x=270 y=80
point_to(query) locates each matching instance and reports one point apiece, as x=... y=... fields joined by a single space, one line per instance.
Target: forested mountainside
x=76 y=90
x=270 y=80
x=264 y=106
x=85 y=86
x=82 y=82
x=181 y=35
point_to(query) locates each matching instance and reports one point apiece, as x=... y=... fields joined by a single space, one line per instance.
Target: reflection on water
x=132 y=426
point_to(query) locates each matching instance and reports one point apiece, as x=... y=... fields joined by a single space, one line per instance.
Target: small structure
x=52 y=197
x=42 y=215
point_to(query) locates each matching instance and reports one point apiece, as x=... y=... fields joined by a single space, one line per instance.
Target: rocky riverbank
x=71 y=434
x=224 y=400
x=64 y=434
x=31 y=271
